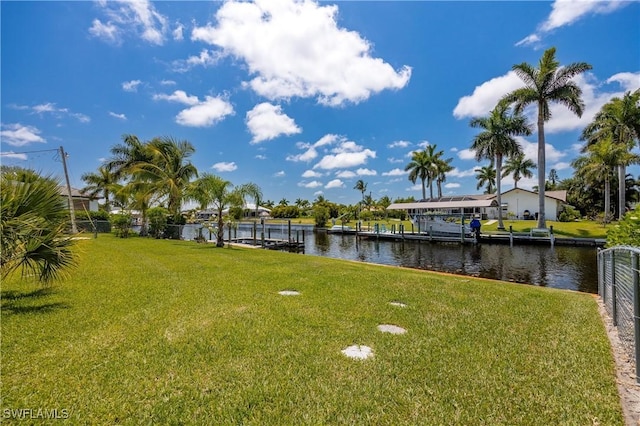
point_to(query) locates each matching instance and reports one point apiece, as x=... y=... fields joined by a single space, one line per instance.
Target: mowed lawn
x=173 y=332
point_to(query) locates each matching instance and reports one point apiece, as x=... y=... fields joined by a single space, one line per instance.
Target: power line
x=29 y=152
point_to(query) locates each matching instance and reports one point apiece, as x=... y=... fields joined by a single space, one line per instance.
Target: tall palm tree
x=253 y=190
x=126 y=155
x=442 y=167
x=619 y=119
x=101 y=182
x=168 y=169
x=486 y=175
x=362 y=187
x=283 y=202
x=543 y=85
x=519 y=166
x=601 y=158
x=419 y=168
x=497 y=141
x=33 y=220
x=553 y=178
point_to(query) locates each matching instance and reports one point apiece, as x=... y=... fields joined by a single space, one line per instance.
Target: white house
x=81 y=202
x=519 y=202
x=523 y=203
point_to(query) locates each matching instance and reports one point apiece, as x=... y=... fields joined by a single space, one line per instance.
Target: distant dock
x=541 y=237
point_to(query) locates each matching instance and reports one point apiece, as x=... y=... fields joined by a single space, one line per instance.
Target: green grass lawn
x=580 y=229
x=171 y=332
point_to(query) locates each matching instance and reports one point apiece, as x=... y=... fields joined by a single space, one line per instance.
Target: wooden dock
x=490 y=238
x=270 y=243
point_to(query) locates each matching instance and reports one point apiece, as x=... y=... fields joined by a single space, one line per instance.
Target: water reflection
x=572 y=268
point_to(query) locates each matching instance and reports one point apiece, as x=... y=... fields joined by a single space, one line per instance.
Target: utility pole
x=72 y=213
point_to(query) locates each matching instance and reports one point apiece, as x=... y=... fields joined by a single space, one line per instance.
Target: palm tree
x=601 y=159
x=254 y=191
x=619 y=119
x=168 y=169
x=548 y=83
x=283 y=202
x=486 y=175
x=497 y=140
x=126 y=155
x=553 y=178
x=519 y=166
x=423 y=167
x=362 y=187
x=33 y=222
x=102 y=182
x=442 y=167
x=210 y=190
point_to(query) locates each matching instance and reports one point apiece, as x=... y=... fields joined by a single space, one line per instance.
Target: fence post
x=614 y=291
x=636 y=308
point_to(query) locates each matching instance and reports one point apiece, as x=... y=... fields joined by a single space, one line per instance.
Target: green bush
x=569 y=214
x=121 y=224
x=627 y=231
x=92 y=215
x=366 y=215
x=285 y=212
x=321 y=216
x=157 y=217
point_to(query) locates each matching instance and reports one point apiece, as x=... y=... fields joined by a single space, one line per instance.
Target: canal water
x=564 y=267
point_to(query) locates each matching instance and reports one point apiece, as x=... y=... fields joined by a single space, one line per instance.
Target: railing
x=619 y=287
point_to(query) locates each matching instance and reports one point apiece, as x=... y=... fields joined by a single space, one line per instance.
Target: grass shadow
x=18 y=302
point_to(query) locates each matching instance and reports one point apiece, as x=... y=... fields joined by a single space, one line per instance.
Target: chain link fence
x=619 y=287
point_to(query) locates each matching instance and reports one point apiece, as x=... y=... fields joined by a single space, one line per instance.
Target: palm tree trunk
x=424 y=190
x=220 y=236
x=439 y=183
x=541 y=167
x=607 y=199
x=498 y=188
x=621 y=190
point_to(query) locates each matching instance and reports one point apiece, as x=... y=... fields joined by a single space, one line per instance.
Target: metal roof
x=439 y=205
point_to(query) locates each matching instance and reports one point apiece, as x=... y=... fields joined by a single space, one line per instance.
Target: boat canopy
x=440 y=205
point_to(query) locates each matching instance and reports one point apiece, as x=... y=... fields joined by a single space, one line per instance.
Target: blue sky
x=302 y=98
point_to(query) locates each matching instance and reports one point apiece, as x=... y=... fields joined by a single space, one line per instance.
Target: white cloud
x=394 y=172
x=224 y=167
x=261 y=157
x=451 y=185
x=318 y=192
x=107 y=32
x=16 y=134
x=51 y=108
x=266 y=121
x=296 y=49
x=466 y=154
x=462 y=173
x=177 y=32
x=120 y=116
x=566 y=12
x=594 y=95
x=395 y=160
x=206 y=113
x=179 y=96
x=485 y=96
x=311 y=151
x=13 y=155
x=131 y=86
x=201 y=113
x=168 y=83
x=335 y=183
x=311 y=174
x=530 y=150
x=629 y=81
x=399 y=144
x=281 y=173
x=346 y=174
x=562 y=165
x=137 y=17
x=312 y=184
x=345 y=160
x=206 y=58
x=366 y=172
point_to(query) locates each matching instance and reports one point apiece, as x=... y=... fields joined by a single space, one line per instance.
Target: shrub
x=121 y=224
x=157 y=217
x=627 y=231
x=285 y=212
x=33 y=220
x=366 y=215
x=321 y=216
x=569 y=214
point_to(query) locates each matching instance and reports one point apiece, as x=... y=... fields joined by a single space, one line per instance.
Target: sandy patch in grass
x=358 y=352
x=289 y=293
x=398 y=304
x=390 y=328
